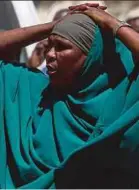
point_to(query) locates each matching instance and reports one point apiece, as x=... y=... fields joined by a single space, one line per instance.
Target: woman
x=108 y=158
x=61 y=131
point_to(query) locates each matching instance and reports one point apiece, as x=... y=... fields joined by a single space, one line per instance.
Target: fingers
x=84 y=5
x=102 y=7
x=80 y=8
x=96 y=5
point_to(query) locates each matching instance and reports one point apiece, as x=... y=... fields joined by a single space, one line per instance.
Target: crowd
x=77 y=126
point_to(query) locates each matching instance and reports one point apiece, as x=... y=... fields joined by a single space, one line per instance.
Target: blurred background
x=15 y=14
x=46 y=9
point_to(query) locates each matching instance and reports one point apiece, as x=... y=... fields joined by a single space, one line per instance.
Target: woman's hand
x=80 y=8
x=107 y=22
x=85 y=6
x=97 y=13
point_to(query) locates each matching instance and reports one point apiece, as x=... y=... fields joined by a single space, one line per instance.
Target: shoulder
x=17 y=77
x=15 y=71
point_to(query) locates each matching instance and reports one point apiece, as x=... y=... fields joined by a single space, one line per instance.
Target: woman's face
x=64 y=61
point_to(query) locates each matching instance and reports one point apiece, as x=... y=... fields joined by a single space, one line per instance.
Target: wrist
x=118 y=25
x=50 y=25
x=48 y=28
x=112 y=23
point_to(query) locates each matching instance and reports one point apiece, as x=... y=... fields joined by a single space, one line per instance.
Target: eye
x=47 y=49
x=61 y=46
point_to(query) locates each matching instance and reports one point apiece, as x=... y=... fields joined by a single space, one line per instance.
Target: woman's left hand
x=97 y=13
x=85 y=6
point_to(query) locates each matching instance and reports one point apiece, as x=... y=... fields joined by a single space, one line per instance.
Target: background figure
x=47 y=9
x=59 y=14
x=133 y=19
x=37 y=58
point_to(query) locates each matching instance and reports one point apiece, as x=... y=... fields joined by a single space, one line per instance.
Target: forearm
x=128 y=36
x=12 y=41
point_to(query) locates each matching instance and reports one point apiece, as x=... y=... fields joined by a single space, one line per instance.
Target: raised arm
x=107 y=22
x=12 y=41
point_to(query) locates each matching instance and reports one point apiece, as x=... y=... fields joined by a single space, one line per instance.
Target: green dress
x=87 y=139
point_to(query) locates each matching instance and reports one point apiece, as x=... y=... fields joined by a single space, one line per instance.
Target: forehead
x=57 y=38
x=62 y=41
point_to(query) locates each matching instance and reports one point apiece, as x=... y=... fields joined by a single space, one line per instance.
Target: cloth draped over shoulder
x=87 y=139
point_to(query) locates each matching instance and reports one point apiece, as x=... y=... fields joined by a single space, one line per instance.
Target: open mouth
x=51 y=69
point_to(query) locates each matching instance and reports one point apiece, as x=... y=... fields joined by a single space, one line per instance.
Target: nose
x=51 y=55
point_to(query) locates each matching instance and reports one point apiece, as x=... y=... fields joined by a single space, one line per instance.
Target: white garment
x=26 y=14
x=42 y=67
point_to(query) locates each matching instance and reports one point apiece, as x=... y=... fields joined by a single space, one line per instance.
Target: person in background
x=61 y=13
x=37 y=59
x=133 y=18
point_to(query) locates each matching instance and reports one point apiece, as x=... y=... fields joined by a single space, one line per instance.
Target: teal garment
x=73 y=141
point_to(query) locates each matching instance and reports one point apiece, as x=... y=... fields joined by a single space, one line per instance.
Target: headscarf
x=77 y=28
x=86 y=139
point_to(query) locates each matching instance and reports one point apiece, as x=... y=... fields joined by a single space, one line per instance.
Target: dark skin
x=38 y=56
x=64 y=62
x=12 y=41
x=107 y=22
